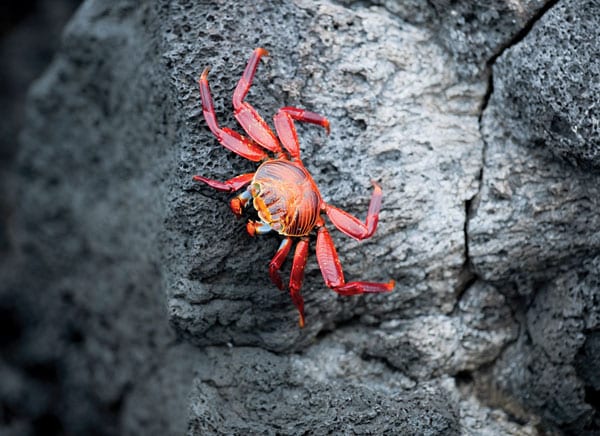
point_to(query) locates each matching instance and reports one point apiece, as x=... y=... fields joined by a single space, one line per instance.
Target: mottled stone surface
x=91 y=322
x=534 y=228
x=252 y=390
x=399 y=114
x=432 y=345
x=552 y=367
x=139 y=305
x=473 y=32
x=534 y=212
x=549 y=84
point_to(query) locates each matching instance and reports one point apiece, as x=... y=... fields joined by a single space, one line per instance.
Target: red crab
x=283 y=192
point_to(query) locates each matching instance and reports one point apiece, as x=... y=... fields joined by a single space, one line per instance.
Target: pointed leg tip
x=261 y=51
x=301 y=321
x=376 y=185
x=390 y=285
x=204 y=74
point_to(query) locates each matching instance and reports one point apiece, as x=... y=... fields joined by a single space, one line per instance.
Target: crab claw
x=251 y=228
x=236 y=205
x=256 y=227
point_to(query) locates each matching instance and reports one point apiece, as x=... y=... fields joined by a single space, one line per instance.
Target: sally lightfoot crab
x=283 y=192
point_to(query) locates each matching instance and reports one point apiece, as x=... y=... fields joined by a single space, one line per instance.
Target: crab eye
x=256 y=187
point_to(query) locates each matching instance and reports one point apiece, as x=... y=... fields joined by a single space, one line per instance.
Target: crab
x=284 y=193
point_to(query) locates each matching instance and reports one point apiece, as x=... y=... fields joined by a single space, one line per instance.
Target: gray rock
x=30 y=34
x=253 y=391
x=433 y=345
x=86 y=265
x=473 y=32
x=399 y=113
x=534 y=230
x=587 y=361
x=533 y=213
x=548 y=84
x=160 y=403
x=152 y=308
x=552 y=367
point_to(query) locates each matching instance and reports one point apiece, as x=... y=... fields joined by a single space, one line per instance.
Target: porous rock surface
x=152 y=308
x=550 y=84
x=534 y=229
x=382 y=85
x=473 y=32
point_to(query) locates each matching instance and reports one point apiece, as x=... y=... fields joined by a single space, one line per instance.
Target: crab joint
x=257 y=227
x=238 y=203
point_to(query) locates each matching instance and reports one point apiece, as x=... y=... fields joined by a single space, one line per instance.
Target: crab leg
x=230 y=185
x=284 y=124
x=252 y=123
x=227 y=137
x=237 y=203
x=351 y=225
x=277 y=261
x=331 y=268
x=297 y=275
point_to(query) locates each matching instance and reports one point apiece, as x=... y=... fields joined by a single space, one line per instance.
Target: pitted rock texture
x=399 y=114
x=552 y=367
x=151 y=308
x=534 y=212
x=473 y=32
x=534 y=229
x=254 y=389
x=548 y=84
x=432 y=345
x=243 y=389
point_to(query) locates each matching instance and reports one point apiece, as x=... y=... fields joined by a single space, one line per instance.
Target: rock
x=533 y=229
x=551 y=368
x=432 y=345
x=151 y=308
x=160 y=404
x=534 y=212
x=548 y=84
x=329 y=389
x=29 y=36
x=86 y=266
x=399 y=113
x=473 y=32
x=250 y=390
